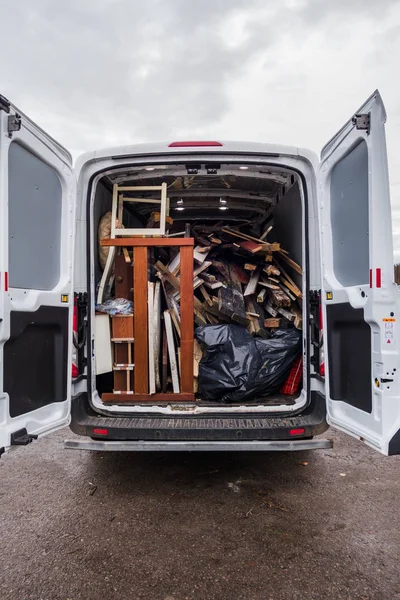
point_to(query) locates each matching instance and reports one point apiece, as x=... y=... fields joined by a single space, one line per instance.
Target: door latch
x=22 y=438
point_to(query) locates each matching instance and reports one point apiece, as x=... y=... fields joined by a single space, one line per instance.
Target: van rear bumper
x=198 y=428
x=258 y=446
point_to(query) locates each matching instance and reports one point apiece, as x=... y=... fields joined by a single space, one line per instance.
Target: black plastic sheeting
x=236 y=366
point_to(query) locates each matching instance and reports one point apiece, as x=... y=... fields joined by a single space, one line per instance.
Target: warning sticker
x=389 y=331
x=389 y=320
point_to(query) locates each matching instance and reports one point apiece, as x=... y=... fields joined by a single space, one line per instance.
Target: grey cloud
x=105 y=72
x=141 y=69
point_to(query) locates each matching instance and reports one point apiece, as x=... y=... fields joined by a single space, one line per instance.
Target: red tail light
x=298 y=431
x=75 y=371
x=193 y=144
x=321 y=353
x=99 y=431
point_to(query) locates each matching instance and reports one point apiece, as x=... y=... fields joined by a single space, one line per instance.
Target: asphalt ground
x=173 y=526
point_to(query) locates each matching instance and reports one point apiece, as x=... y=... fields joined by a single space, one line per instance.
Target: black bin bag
x=236 y=366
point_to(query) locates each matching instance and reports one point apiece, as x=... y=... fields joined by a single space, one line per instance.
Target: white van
x=333 y=216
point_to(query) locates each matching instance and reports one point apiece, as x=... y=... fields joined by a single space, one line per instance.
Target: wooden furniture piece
x=117 y=212
x=123 y=366
x=141 y=334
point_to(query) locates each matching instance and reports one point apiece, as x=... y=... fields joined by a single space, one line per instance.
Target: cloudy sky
x=96 y=73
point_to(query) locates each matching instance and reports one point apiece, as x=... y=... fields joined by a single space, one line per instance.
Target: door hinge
x=363 y=121
x=4 y=104
x=22 y=437
x=14 y=124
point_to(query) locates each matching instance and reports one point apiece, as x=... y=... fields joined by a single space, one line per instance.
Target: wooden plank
x=289 y=261
x=251 y=247
x=122 y=327
x=200 y=253
x=274 y=247
x=258 y=319
x=287 y=292
x=202 y=267
x=208 y=277
x=154 y=398
x=174 y=266
x=187 y=325
x=205 y=295
x=271 y=270
x=272 y=323
x=279 y=297
x=250 y=267
x=171 y=352
x=150 y=313
x=146 y=242
x=293 y=288
x=215 y=285
x=261 y=295
x=252 y=285
x=157 y=333
x=270 y=286
x=271 y=310
x=197 y=354
x=126 y=255
x=242 y=275
x=141 y=335
x=222 y=268
x=123 y=278
x=164 y=377
x=266 y=232
x=288 y=315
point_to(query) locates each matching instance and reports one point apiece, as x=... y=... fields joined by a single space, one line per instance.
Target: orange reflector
x=188 y=144
x=299 y=431
x=98 y=431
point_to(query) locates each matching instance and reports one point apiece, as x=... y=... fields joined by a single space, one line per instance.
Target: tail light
x=75 y=371
x=321 y=339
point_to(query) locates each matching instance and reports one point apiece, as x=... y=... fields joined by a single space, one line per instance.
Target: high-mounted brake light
x=193 y=144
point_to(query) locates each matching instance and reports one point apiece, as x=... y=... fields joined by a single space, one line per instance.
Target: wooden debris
x=199 y=254
x=266 y=232
x=272 y=270
x=242 y=275
x=206 y=295
x=252 y=285
x=291 y=262
x=250 y=267
x=261 y=295
x=272 y=323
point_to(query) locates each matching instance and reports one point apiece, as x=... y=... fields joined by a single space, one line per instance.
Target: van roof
x=164 y=148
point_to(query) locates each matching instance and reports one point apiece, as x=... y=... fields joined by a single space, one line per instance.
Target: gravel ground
x=241 y=526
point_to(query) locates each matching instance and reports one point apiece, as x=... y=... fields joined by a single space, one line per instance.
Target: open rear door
x=360 y=297
x=37 y=201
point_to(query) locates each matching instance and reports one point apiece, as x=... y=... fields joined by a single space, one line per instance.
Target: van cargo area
x=247 y=295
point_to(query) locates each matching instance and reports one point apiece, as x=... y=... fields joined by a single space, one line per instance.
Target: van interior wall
x=288 y=227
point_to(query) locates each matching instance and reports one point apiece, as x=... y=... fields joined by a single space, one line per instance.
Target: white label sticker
x=389 y=331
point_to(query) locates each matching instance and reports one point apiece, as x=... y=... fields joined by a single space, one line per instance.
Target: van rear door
x=360 y=298
x=37 y=206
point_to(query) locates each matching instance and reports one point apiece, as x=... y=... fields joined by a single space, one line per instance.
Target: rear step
x=311 y=422
x=139 y=446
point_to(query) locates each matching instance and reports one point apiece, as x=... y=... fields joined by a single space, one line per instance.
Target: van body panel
x=92 y=168
x=37 y=214
x=360 y=297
